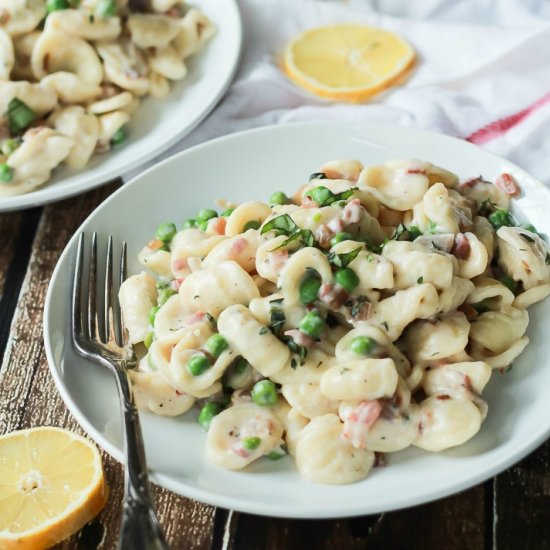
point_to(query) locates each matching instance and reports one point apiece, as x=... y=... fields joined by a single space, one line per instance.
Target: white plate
x=253 y=164
x=158 y=123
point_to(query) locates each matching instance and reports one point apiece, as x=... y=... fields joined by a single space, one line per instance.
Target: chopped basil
x=358 y=305
x=211 y=319
x=420 y=280
x=385 y=325
x=278 y=319
x=282 y=225
x=432 y=226
x=547 y=259
x=343 y=260
x=528 y=238
x=263 y=330
x=318 y=176
x=304 y=235
x=404 y=233
x=20 y=116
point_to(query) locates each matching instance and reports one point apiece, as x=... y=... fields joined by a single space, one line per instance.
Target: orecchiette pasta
x=299 y=328
x=92 y=58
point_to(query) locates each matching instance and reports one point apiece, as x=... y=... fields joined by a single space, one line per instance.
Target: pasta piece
x=481 y=191
x=137 y=295
x=293 y=423
x=492 y=293
x=486 y=234
x=457 y=379
x=80 y=24
x=157 y=260
x=240 y=248
x=365 y=379
x=153 y=393
x=373 y=270
x=455 y=294
x=342 y=169
x=160 y=358
x=159 y=87
x=398 y=184
x=524 y=256
x=166 y=62
x=413 y=264
x=41 y=151
x=271 y=258
x=227 y=444
x=23 y=16
x=531 y=296
x=190 y=383
x=110 y=123
x=437 y=339
x=475 y=260
x=497 y=330
x=308 y=400
x=114 y=103
x=195 y=30
x=252 y=211
x=252 y=340
x=55 y=51
x=125 y=65
x=296 y=269
x=322 y=456
x=213 y=289
x=446 y=422
x=69 y=88
x=152 y=30
x=383 y=347
x=83 y=128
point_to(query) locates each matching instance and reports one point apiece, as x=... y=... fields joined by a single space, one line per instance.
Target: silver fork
x=101 y=338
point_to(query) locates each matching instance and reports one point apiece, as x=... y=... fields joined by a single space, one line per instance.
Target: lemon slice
x=51 y=485
x=346 y=62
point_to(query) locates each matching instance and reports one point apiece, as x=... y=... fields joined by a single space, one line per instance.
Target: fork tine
x=121 y=330
x=92 y=317
x=109 y=324
x=76 y=308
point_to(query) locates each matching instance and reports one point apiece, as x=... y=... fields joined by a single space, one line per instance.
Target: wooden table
x=509 y=511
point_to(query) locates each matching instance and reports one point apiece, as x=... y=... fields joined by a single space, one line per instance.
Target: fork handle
x=140 y=529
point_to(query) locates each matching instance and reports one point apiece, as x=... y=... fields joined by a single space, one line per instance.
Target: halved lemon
x=347 y=62
x=51 y=485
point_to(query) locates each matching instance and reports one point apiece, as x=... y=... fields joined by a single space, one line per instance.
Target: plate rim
x=270 y=509
x=46 y=195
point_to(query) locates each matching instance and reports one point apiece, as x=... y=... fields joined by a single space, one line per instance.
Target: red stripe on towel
x=501 y=126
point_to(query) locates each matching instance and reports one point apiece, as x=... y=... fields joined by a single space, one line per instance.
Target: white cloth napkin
x=483 y=72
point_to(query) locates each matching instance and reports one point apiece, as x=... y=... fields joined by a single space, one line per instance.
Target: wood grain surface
x=511 y=511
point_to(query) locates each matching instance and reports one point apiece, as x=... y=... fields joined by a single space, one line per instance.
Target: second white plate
x=252 y=165
x=158 y=123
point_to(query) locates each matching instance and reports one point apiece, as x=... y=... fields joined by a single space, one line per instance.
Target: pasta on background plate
x=362 y=315
x=73 y=72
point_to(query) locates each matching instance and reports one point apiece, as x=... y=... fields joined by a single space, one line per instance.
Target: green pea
x=278 y=198
x=153 y=314
x=252 y=224
x=346 y=278
x=309 y=288
x=20 y=116
x=148 y=340
x=276 y=454
x=227 y=212
x=500 y=218
x=164 y=295
x=216 y=345
x=206 y=214
x=9 y=146
x=251 y=443
x=202 y=224
x=120 y=136
x=312 y=324
x=321 y=195
x=166 y=232
x=413 y=232
x=264 y=393
x=6 y=173
x=190 y=223
x=340 y=237
x=106 y=8
x=198 y=363
x=208 y=412
x=56 y=5
x=362 y=345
